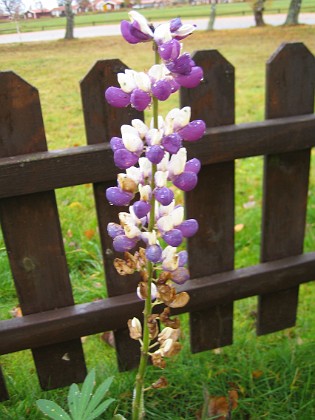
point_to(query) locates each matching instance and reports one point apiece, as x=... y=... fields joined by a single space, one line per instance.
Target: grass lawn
x=275 y=374
x=154 y=15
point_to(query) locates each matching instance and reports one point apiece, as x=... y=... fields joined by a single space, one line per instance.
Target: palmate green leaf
x=86 y=393
x=74 y=397
x=100 y=409
x=52 y=410
x=98 y=396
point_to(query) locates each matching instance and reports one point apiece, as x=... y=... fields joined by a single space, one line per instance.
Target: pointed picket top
x=290 y=81
x=103 y=121
x=21 y=121
x=216 y=87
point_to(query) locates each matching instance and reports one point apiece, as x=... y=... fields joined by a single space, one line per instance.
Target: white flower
x=177 y=215
x=154 y=136
x=134 y=173
x=131 y=138
x=145 y=166
x=162 y=33
x=166 y=210
x=176 y=119
x=158 y=72
x=165 y=223
x=149 y=237
x=145 y=192
x=160 y=178
x=142 y=81
x=177 y=162
x=163 y=165
x=184 y=30
x=127 y=81
x=140 y=126
x=142 y=22
x=170 y=258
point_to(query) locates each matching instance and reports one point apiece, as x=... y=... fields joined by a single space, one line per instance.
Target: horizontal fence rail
x=80 y=320
x=29 y=174
x=94 y=163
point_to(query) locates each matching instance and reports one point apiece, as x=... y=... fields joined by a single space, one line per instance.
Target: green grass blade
x=100 y=409
x=74 y=397
x=86 y=393
x=52 y=410
x=98 y=396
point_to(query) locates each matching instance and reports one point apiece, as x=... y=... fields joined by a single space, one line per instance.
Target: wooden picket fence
x=52 y=324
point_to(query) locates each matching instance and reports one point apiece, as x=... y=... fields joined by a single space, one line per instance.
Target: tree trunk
x=293 y=12
x=258 y=12
x=212 y=16
x=70 y=20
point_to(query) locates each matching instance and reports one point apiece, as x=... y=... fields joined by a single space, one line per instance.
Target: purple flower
x=192 y=79
x=186 y=181
x=180 y=275
x=193 y=165
x=154 y=253
x=193 y=131
x=155 y=153
x=164 y=195
x=116 y=143
x=117 y=97
x=173 y=237
x=114 y=229
x=182 y=65
x=172 y=143
x=188 y=228
x=161 y=89
x=122 y=243
x=124 y=159
x=118 y=197
x=169 y=50
x=141 y=208
x=182 y=258
x=140 y=99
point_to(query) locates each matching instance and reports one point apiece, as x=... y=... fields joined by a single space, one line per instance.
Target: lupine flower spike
x=155 y=162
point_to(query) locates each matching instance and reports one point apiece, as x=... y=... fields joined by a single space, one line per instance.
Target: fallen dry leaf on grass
x=219 y=407
x=238 y=227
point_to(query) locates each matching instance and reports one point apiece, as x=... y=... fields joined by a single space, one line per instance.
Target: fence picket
x=32 y=234
x=290 y=91
x=212 y=201
x=102 y=122
x=4 y=395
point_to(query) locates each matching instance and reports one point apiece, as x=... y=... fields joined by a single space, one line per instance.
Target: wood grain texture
x=32 y=234
x=290 y=91
x=212 y=201
x=102 y=122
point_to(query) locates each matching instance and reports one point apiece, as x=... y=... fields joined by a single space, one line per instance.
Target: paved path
x=110 y=30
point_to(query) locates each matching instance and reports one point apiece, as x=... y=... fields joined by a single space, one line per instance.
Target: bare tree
x=69 y=19
x=13 y=8
x=212 y=16
x=293 y=12
x=258 y=9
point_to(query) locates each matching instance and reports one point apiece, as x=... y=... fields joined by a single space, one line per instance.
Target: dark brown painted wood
x=102 y=122
x=4 y=395
x=290 y=91
x=44 y=171
x=112 y=313
x=212 y=201
x=32 y=234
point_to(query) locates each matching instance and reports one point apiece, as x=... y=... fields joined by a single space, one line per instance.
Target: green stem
x=137 y=404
